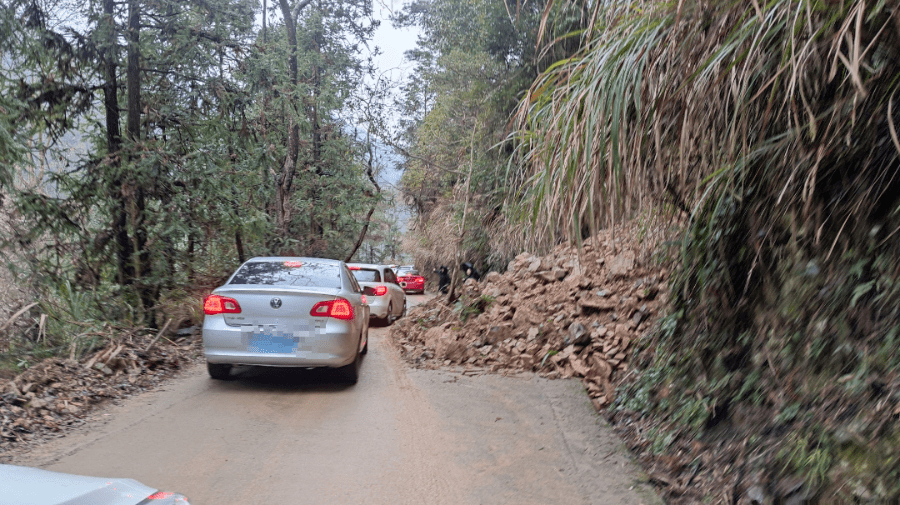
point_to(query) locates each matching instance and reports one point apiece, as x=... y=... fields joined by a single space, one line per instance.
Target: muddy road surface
x=399 y=436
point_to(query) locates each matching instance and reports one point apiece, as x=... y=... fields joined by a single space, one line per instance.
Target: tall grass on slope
x=774 y=127
x=664 y=98
x=576 y=125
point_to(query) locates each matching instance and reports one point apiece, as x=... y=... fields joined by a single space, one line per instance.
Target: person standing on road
x=443 y=279
x=471 y=272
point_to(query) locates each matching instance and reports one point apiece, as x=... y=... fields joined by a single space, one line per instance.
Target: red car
x=411 y=281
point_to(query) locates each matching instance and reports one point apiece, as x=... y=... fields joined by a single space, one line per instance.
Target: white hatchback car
x=287 y=312
x=387 y=300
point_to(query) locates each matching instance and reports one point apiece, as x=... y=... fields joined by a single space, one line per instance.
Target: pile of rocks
x=569 y=314
x=57 y=393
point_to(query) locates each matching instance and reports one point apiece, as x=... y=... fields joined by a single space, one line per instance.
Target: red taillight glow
x=160 y=495
x=216 y=304
x=380 y=290
x=353 y=268
x=293 y=264
x=338 y=309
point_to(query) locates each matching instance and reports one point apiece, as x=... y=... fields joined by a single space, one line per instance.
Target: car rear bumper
x=334 y=345
x=283 y=360
x=378 y=306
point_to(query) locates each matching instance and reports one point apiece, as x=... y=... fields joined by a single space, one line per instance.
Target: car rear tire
x=350 y=373
x=219 y=371
x=403 y=314
x=389 y=318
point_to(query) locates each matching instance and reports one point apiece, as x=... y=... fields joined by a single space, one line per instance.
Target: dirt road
x=400 y=436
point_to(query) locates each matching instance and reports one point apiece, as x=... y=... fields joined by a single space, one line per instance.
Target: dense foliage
x=148 y=147
x=456 y=110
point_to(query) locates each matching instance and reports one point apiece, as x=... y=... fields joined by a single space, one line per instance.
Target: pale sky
x=392 y=41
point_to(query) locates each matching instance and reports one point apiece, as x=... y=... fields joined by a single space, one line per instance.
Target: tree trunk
x=110 y=58
x=370 y=172
x=134 y=71
x=239 y=245
x=133 y=192
x=111 y=85
x=284 y=180
x=362 y=235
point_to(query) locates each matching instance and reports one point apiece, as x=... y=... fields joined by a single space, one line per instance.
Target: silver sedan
x=287 y=312
x=387 y=301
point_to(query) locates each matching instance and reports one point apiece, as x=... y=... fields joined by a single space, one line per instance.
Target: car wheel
x=350 y=373
x=389 y=318
x=403 y=313
x=219 y=371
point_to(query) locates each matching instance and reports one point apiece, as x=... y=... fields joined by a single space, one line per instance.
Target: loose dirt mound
x=567 y=314
x=57 y=393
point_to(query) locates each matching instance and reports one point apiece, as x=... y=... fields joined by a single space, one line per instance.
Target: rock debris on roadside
x=59 y=393
x=568 y=314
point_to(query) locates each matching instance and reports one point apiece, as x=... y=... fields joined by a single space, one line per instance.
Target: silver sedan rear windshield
x=289 y=273
x=366 y=275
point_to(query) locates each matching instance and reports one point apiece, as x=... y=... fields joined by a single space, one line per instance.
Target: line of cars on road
x=272 y=311
x=301 y=312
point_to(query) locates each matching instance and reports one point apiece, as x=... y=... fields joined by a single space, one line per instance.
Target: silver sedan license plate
x=272 y=342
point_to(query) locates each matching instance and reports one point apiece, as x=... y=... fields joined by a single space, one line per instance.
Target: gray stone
x=187 y=332
x=38 y=403
x=497 y=333
x=591 y=304
x=11 y=389
x=578 y=334
x=560 y=273
x=103 y=368
x=622 y=264
x=639 y=315
x=757 y=495
x=546 y=276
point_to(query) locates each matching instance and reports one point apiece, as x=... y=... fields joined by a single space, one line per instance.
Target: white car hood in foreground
x=21 y=485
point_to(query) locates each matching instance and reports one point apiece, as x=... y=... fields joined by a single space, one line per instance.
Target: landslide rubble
x=568 y=314
x=57 y=394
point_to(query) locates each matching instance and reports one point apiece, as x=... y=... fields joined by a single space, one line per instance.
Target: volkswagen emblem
x=275 y=303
